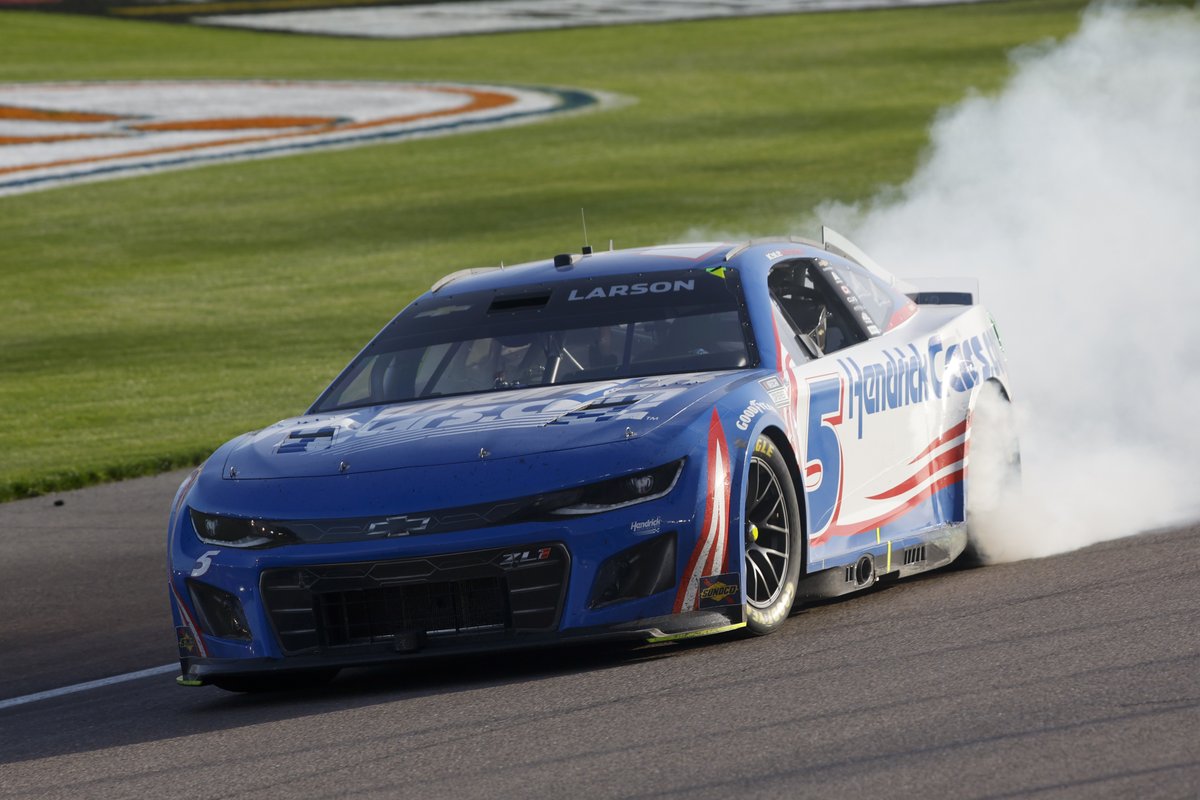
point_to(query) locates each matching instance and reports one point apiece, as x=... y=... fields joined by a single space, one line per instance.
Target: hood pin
x=342 y=467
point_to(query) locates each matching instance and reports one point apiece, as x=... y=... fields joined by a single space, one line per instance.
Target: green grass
x=144 y=321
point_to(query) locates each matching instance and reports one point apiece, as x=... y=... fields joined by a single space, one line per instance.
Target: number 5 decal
x=823 y=461
x=204 y=562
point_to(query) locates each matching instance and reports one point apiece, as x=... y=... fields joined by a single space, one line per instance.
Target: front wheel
x=774 y=544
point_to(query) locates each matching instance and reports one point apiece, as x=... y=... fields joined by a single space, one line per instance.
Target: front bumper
x=198 y=671
x=521 y=586
x=412 y=594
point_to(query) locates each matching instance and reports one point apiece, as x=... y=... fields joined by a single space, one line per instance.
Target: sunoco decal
x=55 y=133
x=720 y=590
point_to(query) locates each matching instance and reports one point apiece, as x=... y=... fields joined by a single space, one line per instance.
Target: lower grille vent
x=408 y=604
x=404 y=613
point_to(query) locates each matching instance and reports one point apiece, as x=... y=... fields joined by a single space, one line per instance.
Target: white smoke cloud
x=1074 y=195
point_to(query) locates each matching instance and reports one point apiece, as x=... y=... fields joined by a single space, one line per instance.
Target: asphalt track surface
x=1075 y=676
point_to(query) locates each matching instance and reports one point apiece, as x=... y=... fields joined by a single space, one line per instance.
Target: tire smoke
x=1074 y=195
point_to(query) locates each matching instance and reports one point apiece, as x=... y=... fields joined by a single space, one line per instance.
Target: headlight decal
x=239 y=532
x=627 y=490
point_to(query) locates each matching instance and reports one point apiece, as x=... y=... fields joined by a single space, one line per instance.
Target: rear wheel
x=994 y=477
x=774 y=546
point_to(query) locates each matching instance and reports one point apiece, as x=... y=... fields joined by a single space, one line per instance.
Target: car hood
x=468 y=428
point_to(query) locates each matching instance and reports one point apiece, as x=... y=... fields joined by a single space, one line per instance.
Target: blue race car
x=645 y=444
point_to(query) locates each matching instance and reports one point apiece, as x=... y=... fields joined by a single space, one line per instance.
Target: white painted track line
x=83 y=687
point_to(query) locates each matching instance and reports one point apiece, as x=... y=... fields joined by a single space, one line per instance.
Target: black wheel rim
x=768 y=535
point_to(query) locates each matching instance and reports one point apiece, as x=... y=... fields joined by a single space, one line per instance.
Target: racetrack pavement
x=1074 y=676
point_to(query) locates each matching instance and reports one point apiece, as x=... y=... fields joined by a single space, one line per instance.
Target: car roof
x=758 y=254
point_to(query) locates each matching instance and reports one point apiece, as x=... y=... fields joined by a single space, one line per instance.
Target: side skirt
x=893 y=559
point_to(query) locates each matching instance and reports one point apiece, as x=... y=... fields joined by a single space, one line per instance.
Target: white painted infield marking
x=73 y=131
x=503 y=16
x=83 y=687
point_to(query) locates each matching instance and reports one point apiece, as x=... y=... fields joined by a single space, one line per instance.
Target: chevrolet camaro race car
x=644 y=444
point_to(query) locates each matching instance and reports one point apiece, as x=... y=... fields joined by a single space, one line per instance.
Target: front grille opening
x=408 y=604
x=914 y=555
x=368 y=616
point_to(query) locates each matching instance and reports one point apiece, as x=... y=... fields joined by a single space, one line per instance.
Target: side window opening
x=878 y=306
x=812 y=308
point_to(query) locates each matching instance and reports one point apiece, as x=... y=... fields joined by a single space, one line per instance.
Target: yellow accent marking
x=877 y=539
x=182 y=681
x=674 y=637
x=889 y=564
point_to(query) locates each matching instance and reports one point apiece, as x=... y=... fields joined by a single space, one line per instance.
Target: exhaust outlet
x=864 y=571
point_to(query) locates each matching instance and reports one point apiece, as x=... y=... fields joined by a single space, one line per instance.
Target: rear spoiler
x=922 y=291
x=945 y=291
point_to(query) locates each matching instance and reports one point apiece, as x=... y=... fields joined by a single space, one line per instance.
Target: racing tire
x=282 y=682
x=774 y=539
x=994 y=477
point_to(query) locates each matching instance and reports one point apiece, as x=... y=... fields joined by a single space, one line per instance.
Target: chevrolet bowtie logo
x=398 y=526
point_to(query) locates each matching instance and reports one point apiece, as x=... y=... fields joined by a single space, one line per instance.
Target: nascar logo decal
x=54 y=133
x=709 y=556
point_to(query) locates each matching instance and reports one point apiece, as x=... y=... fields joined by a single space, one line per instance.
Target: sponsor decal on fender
x=939 y=367
x=752 y=410
x=908 y=376
x=189 y=626
x=776 y=390
x=708 y=557
x=720 y=590
x=187 y=643
x=646 y=527
x=55 y=133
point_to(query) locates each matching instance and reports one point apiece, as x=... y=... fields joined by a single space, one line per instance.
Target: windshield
x=584 y=330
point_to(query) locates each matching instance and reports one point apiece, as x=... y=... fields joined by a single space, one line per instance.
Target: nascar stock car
x=650 y=444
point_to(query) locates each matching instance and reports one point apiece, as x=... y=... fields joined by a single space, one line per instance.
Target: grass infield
x=144 y=321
